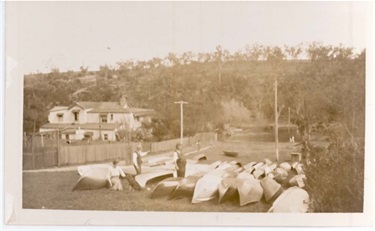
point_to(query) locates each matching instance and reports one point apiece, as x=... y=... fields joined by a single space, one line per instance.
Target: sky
x=66 y=35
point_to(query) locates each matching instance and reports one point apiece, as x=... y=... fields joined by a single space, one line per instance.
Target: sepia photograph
x=220 y=113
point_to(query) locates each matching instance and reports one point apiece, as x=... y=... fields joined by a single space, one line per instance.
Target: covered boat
x=82 y=169
x=249 y=189
x=166 y=187
x=94 y=178
x=228 y=189
x=207 y=187
x=292 y=200
x=186 y=187
x=271 y=188
x=143 y=178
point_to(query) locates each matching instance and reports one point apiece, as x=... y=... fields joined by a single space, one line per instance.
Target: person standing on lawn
x=115 y=173
x=137 y=158
x=180 y=161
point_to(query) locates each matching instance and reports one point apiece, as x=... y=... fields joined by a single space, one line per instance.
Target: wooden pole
x=276 y=125
x=289 y=121
x=182 y=122
x=41 y=137
x=181 y=119
x=100 y=127
x=32 y=150
x=58 y=148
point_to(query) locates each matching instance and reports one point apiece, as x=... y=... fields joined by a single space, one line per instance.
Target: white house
x=95 y=119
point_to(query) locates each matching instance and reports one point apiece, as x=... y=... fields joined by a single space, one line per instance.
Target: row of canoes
x=223 y=181
x=247 y=184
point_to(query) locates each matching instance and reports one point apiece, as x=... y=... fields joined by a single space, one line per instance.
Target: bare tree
x=221 y=56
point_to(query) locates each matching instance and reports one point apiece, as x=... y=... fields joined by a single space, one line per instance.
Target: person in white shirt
x=137 y=158
x=115 y=173
x=179 y=160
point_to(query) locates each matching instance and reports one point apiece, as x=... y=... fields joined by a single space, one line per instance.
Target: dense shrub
x=335 y=176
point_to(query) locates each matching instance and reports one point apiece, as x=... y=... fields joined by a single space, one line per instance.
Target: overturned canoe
x=230 y=153
x=186 y=187
x=200 y=157
x=245 y=175
x=143 y=178
x=232 y=169
x=286 y=166
x=267 y=161
x=298 y=180
x=129 y=169
x=216 y=164
x=271 y=188
x=166 y=187
x=94 y=178
x=292 y=200
x=258 y=165
x=249 y=190
x=228 y=189
x=235 y=162
x=279 y=175
x=82 y=169
x=155 y=161
x=258 y=173
x=249 y=166
x=207 y=187
x=192 y=169
x=224 y=166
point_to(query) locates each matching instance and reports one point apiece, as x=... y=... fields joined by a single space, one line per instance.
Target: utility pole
x=182 y=118
x=276 y=124
x=100 y=127
x=289 y=121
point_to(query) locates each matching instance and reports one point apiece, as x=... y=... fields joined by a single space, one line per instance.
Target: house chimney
x=124 y=101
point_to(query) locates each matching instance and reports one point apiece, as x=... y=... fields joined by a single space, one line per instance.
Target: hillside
x=207 y=84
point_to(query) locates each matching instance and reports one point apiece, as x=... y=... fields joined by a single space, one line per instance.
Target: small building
x=95 y=120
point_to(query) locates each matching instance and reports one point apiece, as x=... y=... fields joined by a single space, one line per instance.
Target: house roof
x=107 y=107
x=69 y=131
x=113 y=107
x=58 y=108
x=89 y=126
x=98 y=105
x=140 y=111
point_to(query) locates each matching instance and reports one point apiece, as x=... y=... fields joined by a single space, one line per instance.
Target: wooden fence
x=93 y=153
x=40 y=151
x=167 y=145
x=43 y=152
x=204 y=139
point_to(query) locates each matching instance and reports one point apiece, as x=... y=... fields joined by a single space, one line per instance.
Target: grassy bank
x=52 y=190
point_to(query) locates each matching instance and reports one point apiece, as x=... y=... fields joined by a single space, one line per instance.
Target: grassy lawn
x=52 y=190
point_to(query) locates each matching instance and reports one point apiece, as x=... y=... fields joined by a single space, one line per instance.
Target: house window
x=103 y=118
x=111 y=116
x=67 y=136
x=105 y=136
x=60 y=117
x=76 y=116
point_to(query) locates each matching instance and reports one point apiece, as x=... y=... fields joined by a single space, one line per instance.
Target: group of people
x=116 y=172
